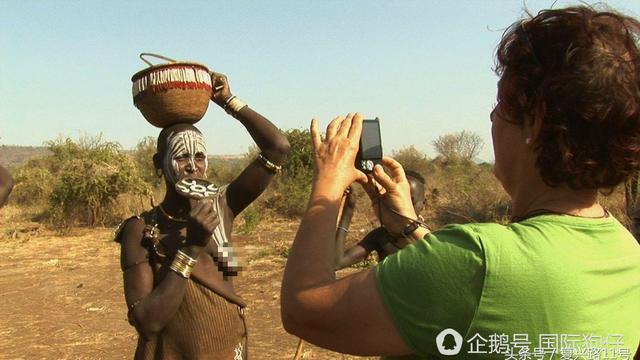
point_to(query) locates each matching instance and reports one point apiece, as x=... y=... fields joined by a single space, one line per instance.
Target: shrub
x=89 y=176
x=292 y=186
x=251 y=219
x=33 y=183
x=222 y=170
x=465 y=192
x=143 y=158
x=413 y=159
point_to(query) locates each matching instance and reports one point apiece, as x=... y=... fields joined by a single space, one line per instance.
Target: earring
x=159 y=172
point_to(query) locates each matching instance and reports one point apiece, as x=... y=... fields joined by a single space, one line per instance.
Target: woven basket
x=175 y=92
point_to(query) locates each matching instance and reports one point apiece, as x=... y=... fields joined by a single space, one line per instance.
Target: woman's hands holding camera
x=334 y=171
x=390 y=195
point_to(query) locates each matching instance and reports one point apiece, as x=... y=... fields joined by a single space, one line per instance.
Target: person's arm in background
x=6 y=185
x=348 y=208
x=359 y=251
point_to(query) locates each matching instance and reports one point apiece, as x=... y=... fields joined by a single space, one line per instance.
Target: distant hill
x=13 y=155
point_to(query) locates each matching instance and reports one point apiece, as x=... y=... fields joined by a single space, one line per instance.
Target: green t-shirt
x=550 y=285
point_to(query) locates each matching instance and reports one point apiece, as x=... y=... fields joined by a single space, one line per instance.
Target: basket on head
x=172 y=92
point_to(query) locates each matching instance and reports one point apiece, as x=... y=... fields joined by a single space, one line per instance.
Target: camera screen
x=370 y=144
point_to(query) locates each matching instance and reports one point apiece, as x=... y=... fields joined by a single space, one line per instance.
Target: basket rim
x=149 y=69
x=143 y=94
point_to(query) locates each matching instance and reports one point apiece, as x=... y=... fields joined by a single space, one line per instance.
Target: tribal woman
x=177 y=260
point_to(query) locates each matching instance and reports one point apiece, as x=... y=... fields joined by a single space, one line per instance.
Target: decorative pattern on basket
x=178 y=77
x=170 y=93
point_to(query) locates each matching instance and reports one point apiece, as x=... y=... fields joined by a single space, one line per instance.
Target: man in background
x=379 y=240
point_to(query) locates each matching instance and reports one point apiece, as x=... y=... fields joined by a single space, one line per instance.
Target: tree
x=462 y=146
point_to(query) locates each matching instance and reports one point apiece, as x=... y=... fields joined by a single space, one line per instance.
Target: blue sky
x=423 y=67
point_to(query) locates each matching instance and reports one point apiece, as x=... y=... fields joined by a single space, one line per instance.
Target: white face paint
x=183 y=145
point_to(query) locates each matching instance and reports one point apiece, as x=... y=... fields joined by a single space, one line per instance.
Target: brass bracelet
x=269 y=165
x=233 y=105
x=188 y=259
x=181 y=269
x=183 y=264
x=226 y=103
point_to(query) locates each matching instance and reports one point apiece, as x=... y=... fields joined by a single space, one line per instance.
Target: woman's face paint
x=186 y=155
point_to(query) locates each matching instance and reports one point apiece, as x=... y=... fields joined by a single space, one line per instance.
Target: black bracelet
x=409 y=229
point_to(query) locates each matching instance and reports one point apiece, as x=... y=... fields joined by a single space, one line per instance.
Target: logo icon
x=449 y=342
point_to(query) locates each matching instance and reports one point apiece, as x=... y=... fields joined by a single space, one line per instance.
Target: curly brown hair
x=577 y=70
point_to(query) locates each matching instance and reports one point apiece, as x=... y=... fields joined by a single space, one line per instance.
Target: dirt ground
x=61 y=295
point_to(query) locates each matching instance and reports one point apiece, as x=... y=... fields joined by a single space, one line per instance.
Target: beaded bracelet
x=269 y=165
x=233 y=105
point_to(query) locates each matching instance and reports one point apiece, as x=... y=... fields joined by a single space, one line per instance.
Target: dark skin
x=6 y=185
x=156 y=305
x=379 y=239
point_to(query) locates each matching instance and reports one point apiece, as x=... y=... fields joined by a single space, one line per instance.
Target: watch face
x=196 y=188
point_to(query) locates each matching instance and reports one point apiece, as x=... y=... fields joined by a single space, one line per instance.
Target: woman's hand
x=201 y=223
x=221 y=90
x=334 y=157
x=391 y=191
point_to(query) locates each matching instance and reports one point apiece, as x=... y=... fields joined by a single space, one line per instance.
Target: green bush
x=251 y=219
x=89 y=176
x=143 y=158
x=292 y=187
x=33 y=183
